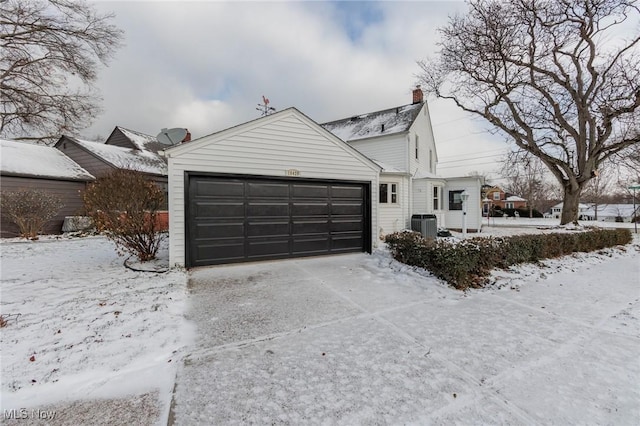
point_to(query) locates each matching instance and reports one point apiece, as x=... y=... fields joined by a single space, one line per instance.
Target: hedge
x=468 y=263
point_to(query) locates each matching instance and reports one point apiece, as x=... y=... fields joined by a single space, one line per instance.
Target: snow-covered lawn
x=100 y=344
x=81 y=326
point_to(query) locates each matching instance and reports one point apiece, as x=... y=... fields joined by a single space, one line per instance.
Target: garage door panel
x=355 y=224
x=222 y=209
x=213 y=254
x=233 y=220
x=311 y=245
x=265 y=229
x=347 y=209
x=346 y=242
x=309 y=191
x=268 y=247
x=219 y=188
x=270 y=209
x=310 y=227
x=310 y=209
x=264 y=190
x=339 y=191
x=220 y=230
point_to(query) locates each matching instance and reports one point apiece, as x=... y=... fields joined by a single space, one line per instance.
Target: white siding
x=422 y=128
x=266 y=147
x=453 y=218
x=390 y=150
x=394 y=217
x=423 y=199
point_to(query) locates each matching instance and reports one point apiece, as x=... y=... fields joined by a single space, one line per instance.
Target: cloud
x=205 y=65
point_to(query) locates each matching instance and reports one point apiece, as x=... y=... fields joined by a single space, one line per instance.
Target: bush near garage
x=124 y=205
x=467 y=264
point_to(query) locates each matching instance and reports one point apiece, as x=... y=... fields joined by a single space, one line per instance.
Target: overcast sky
x=205 y=66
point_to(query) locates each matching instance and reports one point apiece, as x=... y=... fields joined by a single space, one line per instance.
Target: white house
x=401 y=141
x=284 y=186
x=556 y=211
x=610 y=212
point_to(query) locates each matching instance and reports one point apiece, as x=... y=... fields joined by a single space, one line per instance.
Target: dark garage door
x=246 y=219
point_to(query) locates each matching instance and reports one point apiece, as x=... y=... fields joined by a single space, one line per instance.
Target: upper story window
x=388 y=193
x=417 y=145
x=496 y=196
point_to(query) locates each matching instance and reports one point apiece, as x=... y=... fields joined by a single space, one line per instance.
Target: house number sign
x=292 y=172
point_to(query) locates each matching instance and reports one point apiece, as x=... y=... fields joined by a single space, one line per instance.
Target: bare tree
x=51 y=50
x=549 y=75
x=525 y=177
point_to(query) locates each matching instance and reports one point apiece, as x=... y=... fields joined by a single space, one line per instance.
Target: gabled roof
x=138 y=140
x=386 y=122
x=29 y=160
x=124 y=158
x=182 y=148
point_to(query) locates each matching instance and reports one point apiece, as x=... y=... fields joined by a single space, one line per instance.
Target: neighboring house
x=28 y=166
x=556 y=211
x=284 y=186
x=126 y=138
x=610 y=212
x=124 y=149
x=401 y=141
x=495 y=197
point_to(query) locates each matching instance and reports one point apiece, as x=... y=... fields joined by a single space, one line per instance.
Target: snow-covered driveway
x=359 y=339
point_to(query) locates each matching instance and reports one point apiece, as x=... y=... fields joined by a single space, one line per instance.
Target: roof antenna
x=264 y=107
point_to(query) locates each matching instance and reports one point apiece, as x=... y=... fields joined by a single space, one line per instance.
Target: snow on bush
x=467 y=263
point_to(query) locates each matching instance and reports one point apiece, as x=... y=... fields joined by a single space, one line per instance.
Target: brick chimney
x=187 y=138
x=418 y=96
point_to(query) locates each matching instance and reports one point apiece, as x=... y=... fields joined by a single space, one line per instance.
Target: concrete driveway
x=358 y=339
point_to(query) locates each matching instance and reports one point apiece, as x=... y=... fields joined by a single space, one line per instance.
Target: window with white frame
x=388 y=193
x=508 y=205
x=437 y=198
x=496 y=196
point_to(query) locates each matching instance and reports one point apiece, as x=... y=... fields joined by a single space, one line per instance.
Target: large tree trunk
x=570 y=203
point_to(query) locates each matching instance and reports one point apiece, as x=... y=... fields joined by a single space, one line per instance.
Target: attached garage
x=274 y=188
x=234 y=219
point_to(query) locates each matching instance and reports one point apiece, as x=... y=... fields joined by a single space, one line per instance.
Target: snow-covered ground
x=81 y=326
x=87 y=335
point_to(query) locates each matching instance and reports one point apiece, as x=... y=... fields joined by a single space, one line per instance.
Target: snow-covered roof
x=386 y=122
x=30 y=160
x=514 y=198
x=142 y=141
x=420 y=174
x=126 y=158
x=388 y=169
x=611 y=210
x=580 y=206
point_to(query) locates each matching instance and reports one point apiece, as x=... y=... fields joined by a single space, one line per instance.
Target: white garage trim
x=284 y=144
